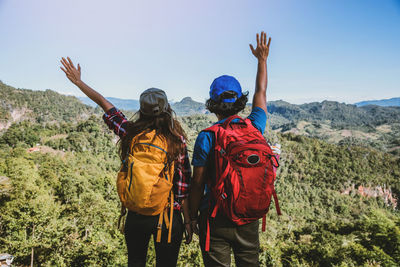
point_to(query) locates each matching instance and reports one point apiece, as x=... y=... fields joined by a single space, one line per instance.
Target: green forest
x=58 y=200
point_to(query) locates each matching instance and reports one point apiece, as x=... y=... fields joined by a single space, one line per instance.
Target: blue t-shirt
x=205 y=142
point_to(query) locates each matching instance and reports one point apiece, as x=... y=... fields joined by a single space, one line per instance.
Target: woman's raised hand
x=73 y=74
x=262 y=50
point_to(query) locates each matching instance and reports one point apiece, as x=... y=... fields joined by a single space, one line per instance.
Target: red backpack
x=244 y=177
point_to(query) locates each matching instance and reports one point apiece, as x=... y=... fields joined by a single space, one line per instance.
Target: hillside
x=283 y=114
x=39 y=106
x=395 y=101
x=338 y=115
x=58 y=196
x=69 y=197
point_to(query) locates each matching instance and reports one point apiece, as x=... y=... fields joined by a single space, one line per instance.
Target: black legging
x=138 y=230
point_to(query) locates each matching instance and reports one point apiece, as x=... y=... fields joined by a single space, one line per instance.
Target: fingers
x=258 y=40
x=195 y=229
x=189 y=238
x=252 y=48
x=65 y=64
x=188 y=233
x=79 y=66
x=70 y=62
x=263 y=38
x=64 y=70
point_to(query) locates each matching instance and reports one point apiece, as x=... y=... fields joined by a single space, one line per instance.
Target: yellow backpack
x=144 y=182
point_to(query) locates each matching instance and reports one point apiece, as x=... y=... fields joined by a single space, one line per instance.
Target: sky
x=342 y=50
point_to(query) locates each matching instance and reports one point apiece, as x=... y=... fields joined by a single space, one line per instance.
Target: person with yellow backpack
x=155 y=173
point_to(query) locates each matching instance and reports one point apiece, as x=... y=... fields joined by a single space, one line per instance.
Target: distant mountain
x=339 y=115
x=47 y=106
x=126 y=104
x=187 y=106
x=383 y=102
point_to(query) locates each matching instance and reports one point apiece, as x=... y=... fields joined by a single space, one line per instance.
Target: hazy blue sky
x=340 y=50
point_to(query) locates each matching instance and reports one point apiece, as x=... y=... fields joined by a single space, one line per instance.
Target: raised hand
x=73 y=74
x=262 y=50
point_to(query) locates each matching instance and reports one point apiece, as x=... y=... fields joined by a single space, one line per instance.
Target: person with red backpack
x=233 y=176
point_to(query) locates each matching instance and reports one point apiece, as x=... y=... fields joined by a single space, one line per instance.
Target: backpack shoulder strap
x=214 y=128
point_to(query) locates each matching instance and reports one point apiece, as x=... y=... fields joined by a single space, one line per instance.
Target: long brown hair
x=165 y=125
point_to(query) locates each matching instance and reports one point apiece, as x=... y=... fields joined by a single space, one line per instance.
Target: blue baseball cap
x=222 y=84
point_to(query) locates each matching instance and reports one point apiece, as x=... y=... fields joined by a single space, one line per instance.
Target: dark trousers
x=138 y=230
x=224 y=236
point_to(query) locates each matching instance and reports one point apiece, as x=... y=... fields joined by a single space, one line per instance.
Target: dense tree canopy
x=58 y=196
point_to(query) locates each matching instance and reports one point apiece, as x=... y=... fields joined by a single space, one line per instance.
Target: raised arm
x=74 y=75
x=261 y=53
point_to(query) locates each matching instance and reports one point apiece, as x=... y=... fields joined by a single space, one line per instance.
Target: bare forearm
x=196 y=192
x=94 y=95
x=185 y=209
x=262 y=77
x=260 y=94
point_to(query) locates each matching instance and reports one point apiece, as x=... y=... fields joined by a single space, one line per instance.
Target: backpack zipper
x=148 y=144
x=130 y=182
x=240 y=176
x=265 y=175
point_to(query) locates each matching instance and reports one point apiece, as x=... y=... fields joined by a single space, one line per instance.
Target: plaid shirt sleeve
x=182 y=176
x=116 y=121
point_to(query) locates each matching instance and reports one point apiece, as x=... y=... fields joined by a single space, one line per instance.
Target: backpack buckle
x=222 y=152
x=159 y=226
x=223 y=196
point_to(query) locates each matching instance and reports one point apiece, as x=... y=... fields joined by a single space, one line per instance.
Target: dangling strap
x=264 y=222
x=215 y=210
x=171 y=214
x=164 y=218
x=159 y=226
x=278 y=210
x=212 y=215
x=207 y=248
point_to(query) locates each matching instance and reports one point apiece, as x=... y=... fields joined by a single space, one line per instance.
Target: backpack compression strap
x=168 y=221
x=278 y=210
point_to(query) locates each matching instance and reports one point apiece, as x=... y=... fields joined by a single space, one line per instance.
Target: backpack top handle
x=229 y=120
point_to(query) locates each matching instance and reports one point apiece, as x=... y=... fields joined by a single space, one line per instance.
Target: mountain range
x=339 y=114
x=187 y=106
x=383 y=102
x=51 y=106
